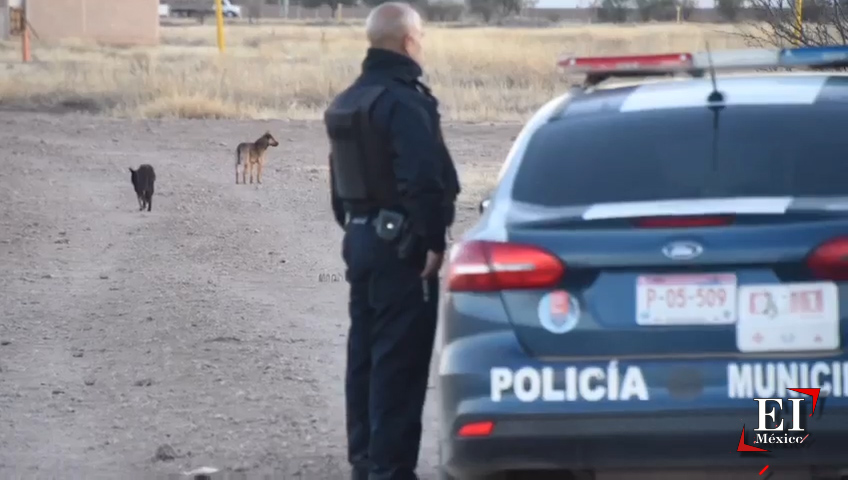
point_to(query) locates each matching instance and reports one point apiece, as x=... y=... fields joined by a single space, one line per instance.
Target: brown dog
x=252 y=154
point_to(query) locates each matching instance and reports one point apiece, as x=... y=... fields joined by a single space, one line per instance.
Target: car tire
x=443 y=475
x=524 y=475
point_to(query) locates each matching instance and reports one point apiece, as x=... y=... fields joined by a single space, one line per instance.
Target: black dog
x=142 y=180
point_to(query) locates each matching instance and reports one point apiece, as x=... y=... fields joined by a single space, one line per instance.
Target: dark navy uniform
x=388 y=155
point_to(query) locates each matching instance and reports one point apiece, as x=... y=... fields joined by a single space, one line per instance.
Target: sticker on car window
x=559 y=312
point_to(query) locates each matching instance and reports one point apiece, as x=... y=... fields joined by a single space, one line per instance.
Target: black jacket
x=407 y=116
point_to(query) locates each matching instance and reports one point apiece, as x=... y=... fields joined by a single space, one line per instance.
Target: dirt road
x=211 y=329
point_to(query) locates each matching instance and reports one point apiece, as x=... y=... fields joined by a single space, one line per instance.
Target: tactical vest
x=360 y=157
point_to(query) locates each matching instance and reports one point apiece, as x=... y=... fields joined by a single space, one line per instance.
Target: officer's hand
x=434 y=263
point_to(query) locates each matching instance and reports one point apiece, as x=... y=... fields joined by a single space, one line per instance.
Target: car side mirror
x=484 y=204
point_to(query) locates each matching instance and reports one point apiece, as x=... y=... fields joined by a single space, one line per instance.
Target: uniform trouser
x=390 y=344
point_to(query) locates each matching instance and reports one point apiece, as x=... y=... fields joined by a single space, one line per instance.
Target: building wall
x=118 y=22
x=4 y=20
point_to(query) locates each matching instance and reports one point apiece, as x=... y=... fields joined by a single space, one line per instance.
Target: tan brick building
x=4 y=19
x=119 y=22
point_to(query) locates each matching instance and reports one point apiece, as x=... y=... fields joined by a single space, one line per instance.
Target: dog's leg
x=244 y=172
x=252 y=168
x=140 y=203
x=238 y=160
x=149 y=200
x=259 y=172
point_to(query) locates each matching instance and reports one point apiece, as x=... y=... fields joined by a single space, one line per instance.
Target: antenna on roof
x=716 y=105
x=715 y=95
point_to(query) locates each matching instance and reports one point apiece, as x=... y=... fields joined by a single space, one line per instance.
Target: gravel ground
x=208 y=332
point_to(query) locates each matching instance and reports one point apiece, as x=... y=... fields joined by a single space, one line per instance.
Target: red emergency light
x=633 y=63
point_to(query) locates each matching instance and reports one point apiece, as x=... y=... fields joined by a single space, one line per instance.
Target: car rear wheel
x=512 y=475
x=443 y=475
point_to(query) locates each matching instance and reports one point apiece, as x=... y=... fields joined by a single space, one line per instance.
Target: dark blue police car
x=655 y=256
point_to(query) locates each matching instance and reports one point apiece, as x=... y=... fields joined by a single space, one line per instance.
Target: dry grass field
x=290 y=70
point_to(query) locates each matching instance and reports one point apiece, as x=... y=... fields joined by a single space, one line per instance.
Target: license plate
x=708 y=299
x=788 y=317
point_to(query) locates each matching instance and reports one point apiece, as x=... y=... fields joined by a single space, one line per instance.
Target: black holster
x=396 y=229
x=409 y=243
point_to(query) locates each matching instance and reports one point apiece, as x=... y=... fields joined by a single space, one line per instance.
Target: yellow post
x=339 y=13
x=219 y=15
x=678 y=13
x=799 y=21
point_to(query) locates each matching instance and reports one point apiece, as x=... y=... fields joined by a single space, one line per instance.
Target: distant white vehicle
x=231 y=9
x=200 y=9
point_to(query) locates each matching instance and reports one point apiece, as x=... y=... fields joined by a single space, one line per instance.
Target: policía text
x=549 y=384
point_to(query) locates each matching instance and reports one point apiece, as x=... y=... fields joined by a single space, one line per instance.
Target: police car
x=655 y=256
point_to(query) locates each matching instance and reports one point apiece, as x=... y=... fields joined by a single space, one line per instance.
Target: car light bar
x=674 y=61
x=811 y=57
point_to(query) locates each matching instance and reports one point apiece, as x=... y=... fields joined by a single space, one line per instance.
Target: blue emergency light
x=804 y=57
x=812 y=56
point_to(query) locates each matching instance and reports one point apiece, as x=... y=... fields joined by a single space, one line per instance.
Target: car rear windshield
x=784 y=150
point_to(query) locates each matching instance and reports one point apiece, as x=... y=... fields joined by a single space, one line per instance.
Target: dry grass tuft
x=480 y=74
x=193 y=107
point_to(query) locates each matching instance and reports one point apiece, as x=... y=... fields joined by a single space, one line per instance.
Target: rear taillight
x=683 y=222
x=830 y=260
x=476 y=429
x=482 y=266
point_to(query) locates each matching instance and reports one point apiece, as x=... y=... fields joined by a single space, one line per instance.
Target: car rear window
x=784 y=150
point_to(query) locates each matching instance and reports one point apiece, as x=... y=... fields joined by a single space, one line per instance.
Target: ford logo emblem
x=682 y=250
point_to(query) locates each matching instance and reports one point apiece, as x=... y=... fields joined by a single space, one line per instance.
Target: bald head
x=389 y=25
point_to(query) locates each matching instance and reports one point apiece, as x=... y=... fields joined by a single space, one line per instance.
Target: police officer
x=393 y=186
